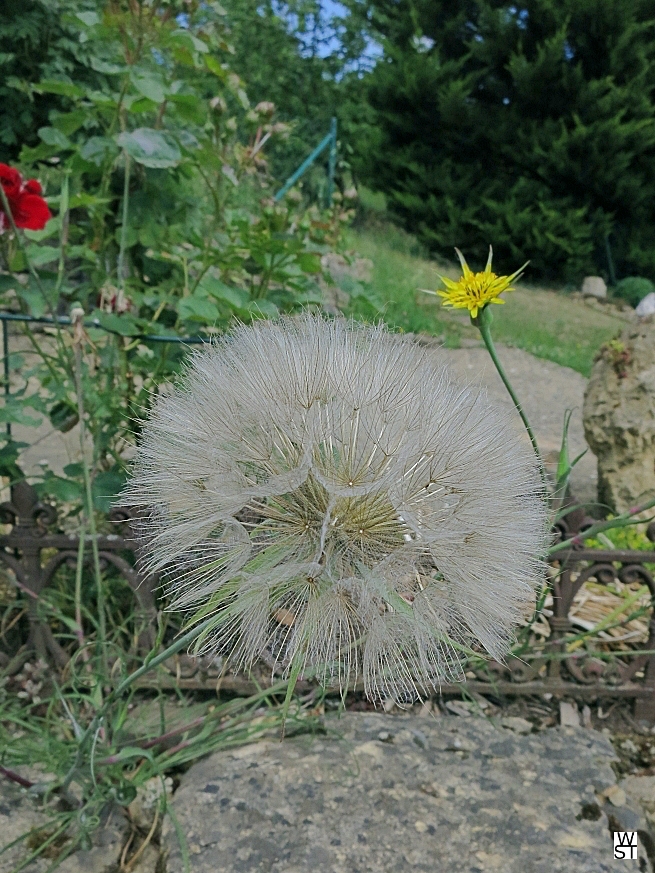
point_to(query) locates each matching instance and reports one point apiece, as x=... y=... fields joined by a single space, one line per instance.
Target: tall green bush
x=37 y=41
x=530 y=125
x=164 y=223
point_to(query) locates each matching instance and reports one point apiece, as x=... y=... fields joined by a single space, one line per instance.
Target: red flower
x=33 y=186
x=28 y=209
x=11 y=181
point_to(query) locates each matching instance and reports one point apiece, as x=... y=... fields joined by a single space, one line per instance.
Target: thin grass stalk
x=63 y=237
x=78 y=592
x=623 y=520
x=126 y=207
x=77 y=316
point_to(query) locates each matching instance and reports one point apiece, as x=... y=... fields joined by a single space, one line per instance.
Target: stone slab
x=388 y=794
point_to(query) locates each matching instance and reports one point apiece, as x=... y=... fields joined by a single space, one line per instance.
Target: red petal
x=11 y=181
x=31 y=212
x=33 y=186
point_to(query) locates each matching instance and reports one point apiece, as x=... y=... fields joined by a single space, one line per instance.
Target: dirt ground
x=546 y=390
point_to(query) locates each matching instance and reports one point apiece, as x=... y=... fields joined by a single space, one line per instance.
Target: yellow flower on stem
x=475 y=290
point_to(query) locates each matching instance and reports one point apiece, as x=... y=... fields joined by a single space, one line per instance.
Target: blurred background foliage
x=531 y=124
x=162 y=129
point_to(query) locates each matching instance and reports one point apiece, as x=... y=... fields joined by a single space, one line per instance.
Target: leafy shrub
x=165 y=224
x=633 y=289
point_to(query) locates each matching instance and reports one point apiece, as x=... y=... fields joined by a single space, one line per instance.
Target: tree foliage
x=38 y=41
x=530 y=125
x=305 y=59
x=164 y=223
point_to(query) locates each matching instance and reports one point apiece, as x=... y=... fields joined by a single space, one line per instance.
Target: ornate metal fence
x=33 y=550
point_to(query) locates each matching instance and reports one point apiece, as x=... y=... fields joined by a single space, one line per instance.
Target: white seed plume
x=337 y=502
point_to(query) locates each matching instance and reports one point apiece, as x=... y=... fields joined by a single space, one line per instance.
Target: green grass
x=547 y=323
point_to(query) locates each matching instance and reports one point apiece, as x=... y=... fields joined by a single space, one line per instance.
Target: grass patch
x=547 y=323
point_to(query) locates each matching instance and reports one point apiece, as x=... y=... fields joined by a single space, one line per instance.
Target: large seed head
x=335 y=500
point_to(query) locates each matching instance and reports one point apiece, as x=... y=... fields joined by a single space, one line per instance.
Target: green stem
x=63 y=237
x=146 y=667
x=623 y=520
x=90 y=514
x=78 y=589
x=126 y=206
x=483 y=323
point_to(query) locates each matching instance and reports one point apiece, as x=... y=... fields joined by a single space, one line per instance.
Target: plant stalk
x=483 y=323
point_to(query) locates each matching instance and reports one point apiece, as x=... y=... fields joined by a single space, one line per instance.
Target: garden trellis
x=329 y=140
x=64 y=321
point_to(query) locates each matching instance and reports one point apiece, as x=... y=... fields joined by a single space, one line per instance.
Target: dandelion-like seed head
x=338 y=504
x=475 y=290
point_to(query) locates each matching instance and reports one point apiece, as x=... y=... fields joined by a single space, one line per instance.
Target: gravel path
x=546 y=390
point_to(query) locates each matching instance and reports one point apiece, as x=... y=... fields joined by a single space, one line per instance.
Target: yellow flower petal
x=465 y=267
x=475 y=290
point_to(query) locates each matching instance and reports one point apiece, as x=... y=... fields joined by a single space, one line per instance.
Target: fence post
x=329 y=140
x=332 y=165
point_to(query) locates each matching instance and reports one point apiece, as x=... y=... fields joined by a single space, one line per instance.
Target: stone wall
x=619 y=416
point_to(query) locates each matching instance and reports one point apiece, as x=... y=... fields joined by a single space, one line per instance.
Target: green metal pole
x=306 y=164
x=333 y=162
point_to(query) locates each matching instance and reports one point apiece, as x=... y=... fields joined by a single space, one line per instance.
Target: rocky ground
x=451 y=788
x=502 y=786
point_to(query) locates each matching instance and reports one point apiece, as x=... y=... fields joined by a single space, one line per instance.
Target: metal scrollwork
x=559 y=667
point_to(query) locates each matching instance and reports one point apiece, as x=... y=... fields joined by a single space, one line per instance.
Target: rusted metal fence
x=34 y=549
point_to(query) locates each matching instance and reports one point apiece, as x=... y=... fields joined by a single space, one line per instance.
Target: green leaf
x=197 y=308
x=151 y=148
x=7 y=282
x=34 y=299
x=97 y=149
x=106 y=487
x=69 y=122
x=107 y=67
x=229 y=173
x=235 y=297
x=89 y=19
x=262 y=309
x=309 y=262
x=40 y=255
x=9 y=454
x=186 y=38
x=129 y=753
x=12 y=413
x=215 y=66
x=53 y=137
x=17 y=262
x=124 y=324
x=55 y=86
x=150 y=85
x=63 y=489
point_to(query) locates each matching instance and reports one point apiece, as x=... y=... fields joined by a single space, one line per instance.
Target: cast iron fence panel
x=582 y=675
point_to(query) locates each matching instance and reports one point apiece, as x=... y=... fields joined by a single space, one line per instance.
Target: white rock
x=569 y=715
x=647 y=305
x=594 y=286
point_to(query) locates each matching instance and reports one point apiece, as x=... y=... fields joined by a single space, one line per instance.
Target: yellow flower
x=474 y=290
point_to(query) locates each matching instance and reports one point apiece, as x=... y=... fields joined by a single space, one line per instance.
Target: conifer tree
x=529 y=124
